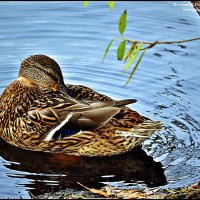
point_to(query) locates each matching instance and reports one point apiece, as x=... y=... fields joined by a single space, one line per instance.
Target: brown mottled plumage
x=39 y=112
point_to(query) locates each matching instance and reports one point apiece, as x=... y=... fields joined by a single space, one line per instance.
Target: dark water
x=166 y=85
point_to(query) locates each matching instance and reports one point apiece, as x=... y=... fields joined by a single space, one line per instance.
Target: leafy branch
x=136 y=46
x=152 y=44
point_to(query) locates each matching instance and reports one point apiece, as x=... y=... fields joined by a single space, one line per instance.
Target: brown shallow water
x=166 y=86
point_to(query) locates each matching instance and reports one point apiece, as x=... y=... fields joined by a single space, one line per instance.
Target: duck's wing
x=56 y=111
x=126 y=117
x=99 y=113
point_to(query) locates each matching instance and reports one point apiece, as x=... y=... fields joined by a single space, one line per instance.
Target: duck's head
x=43 y=71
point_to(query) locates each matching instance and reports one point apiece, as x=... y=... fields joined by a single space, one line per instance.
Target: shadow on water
x=52 y=172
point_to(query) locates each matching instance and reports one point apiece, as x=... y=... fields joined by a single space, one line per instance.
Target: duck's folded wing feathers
x=59 y=110
x=99 y=114
x=93 y=118
x=53 y=107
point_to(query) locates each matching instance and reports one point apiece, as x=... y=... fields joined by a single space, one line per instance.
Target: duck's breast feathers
x=16 y=99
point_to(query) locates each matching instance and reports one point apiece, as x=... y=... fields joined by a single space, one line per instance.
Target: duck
x=40 y=112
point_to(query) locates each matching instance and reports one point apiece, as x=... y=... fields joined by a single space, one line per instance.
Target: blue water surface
x=166 y=84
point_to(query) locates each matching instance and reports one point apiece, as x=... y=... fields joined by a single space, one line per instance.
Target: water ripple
x=166 y=86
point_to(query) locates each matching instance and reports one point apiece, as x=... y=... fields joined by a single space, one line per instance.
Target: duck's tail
x=142 y=130
x=149 y=125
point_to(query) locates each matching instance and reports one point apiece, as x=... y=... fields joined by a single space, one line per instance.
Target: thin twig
x=151 y=45
x=158 y=42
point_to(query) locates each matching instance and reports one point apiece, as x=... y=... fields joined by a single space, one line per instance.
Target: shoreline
x=109 y=192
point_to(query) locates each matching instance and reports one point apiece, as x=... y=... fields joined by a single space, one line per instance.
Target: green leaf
x=121 y=50
x=130 y=51
x=136 y=66
x=107 y=49
x=122 y=22
x=133 y=57
x=85 y=3
x=111 y=4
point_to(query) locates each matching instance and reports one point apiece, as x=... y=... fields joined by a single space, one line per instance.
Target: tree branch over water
x=152 y=44
x=136 y=46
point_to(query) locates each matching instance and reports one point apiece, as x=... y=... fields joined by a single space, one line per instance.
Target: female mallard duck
x=39 y=112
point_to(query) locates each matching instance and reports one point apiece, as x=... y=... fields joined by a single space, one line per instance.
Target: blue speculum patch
x=64 y=132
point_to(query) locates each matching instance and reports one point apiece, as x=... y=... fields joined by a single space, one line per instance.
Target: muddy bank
x=192 y=192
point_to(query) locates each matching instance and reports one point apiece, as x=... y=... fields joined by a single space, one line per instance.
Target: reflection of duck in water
x=39 y=112
x=66 y=170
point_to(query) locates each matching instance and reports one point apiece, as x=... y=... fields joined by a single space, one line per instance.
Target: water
x=166 y=86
